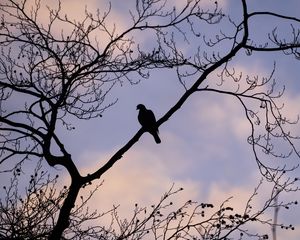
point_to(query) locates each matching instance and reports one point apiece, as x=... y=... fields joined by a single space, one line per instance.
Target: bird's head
x=140 y=106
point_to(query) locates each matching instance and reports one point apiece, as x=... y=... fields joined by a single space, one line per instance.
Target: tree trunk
x=63 y=218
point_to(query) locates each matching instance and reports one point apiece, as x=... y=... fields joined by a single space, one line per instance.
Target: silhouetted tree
x=48 y=75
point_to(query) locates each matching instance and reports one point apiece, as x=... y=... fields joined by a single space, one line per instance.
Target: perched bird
x=147 y=120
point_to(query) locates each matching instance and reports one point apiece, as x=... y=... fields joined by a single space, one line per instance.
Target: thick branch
x=275 y=15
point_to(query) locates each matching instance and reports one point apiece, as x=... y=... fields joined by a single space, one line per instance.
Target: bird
x=147 y=119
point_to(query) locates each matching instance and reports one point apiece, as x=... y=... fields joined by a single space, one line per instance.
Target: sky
x=204 y=145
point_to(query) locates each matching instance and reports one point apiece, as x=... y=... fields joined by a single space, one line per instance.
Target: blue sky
x=204 y=145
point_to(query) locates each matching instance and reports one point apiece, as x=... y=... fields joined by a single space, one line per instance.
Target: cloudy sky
x=204 y=145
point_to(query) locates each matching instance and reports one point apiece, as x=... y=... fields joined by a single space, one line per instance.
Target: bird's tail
x=156 y=138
